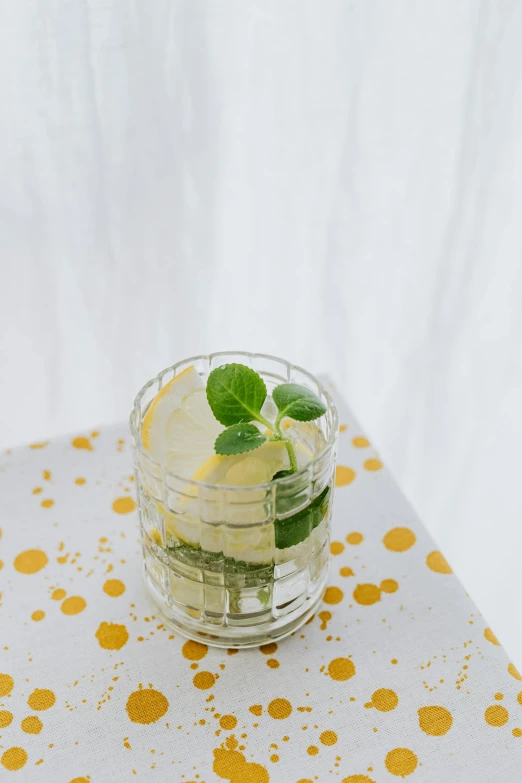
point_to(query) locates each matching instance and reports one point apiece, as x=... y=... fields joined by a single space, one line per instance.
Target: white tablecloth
x=396 y=676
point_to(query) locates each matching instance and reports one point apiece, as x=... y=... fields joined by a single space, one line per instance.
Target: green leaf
x=282 y=474
x=297 y=402
x=237 y=572
x=239 y=438
x=264 y=595
x=235 y=393
x=297 y=528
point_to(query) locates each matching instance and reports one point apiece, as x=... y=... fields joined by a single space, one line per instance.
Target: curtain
x=335 y=182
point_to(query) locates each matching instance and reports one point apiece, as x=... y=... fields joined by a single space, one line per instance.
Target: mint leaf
x=298 y=402
x=235 y=393
x=239 y=438
x=297 y=528
x=263 y=596
x=282 y=474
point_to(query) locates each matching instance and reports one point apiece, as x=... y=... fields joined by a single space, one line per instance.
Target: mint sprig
x=236 y=395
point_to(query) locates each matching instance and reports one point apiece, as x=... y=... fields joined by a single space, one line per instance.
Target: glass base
x=237 y=635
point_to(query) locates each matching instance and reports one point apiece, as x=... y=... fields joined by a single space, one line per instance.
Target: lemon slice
x=244 y=470
x=258 y=466
x=179 y=428
x=250 y=544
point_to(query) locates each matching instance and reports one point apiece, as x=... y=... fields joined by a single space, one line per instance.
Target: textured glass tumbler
x=237 y=566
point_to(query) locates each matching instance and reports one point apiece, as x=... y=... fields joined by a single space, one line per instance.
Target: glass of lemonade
x=235 y=543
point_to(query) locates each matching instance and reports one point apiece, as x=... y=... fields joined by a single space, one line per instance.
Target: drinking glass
x=237 y=566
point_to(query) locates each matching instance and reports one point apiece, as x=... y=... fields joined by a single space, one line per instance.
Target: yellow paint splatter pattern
x=146 y=705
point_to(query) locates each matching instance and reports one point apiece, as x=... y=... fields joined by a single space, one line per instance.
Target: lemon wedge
x=179 y=428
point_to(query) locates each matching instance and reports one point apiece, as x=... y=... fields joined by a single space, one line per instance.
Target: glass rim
x=284 y=481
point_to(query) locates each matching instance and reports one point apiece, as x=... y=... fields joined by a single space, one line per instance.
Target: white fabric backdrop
x=336 y=182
